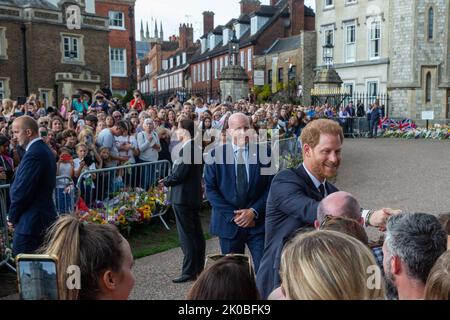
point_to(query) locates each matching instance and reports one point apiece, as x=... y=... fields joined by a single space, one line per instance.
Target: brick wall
x=44 y=55
x=121 y=39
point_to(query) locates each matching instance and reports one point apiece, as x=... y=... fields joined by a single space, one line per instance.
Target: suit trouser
x=26 y=243
x=192 y=239
x=255 y=243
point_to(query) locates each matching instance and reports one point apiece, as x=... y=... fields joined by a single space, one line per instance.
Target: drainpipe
x=25 y=59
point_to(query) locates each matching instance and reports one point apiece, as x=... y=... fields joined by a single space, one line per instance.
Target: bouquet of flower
x=127 y=208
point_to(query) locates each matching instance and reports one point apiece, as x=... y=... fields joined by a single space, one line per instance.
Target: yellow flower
x=122 y=219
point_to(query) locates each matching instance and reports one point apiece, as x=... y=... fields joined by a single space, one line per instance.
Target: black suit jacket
x=292 y=204
x=186 y=177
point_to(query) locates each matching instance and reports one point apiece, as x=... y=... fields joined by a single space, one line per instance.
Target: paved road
x=406 y=174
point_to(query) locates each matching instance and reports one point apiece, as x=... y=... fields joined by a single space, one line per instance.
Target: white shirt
x=31 y=142
x=316 y=182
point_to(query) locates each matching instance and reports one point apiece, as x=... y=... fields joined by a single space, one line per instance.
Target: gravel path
x=405 y=174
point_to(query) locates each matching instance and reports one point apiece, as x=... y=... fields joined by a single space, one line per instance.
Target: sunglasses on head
x=242 y=258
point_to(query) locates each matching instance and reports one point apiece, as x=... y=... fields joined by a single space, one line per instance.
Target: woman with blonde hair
x=438 y=282
x=100 y=251
x=329 y=265
x=87 y=137
x=7 y=106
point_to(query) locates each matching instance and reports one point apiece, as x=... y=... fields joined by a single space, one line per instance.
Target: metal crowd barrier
x=5 y=245
x=353 y=127
x=101 y=185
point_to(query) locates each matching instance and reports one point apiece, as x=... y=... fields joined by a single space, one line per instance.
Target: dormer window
x=256 y=23
x=204 y=45
x=178 y=60
x=184 y=58
x=226 y=36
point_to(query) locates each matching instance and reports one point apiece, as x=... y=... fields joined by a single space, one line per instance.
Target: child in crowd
x=64 y=186
x=83 y=163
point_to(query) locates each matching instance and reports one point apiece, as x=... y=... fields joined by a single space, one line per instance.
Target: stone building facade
x=420 y=58
x=40 y=54
x=359 y=30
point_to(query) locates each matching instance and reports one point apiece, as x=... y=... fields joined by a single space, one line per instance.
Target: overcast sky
x=174 y=12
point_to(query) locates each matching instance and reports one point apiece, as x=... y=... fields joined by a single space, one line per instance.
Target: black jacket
x=186 y=177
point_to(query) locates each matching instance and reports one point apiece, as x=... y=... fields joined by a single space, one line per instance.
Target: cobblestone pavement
x=406 y=174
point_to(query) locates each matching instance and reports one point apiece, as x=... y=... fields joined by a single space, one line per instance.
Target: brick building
x=122 y=51
x=40 y=54
x=175 y=75
x=257 y=28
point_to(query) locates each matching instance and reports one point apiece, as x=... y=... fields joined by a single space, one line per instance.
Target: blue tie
x=241 y=179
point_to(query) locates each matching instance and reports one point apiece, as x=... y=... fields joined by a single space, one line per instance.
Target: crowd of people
x=295 y=223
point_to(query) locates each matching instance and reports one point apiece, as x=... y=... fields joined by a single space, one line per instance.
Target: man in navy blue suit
x=295 y=195
x=32 y=209
x=237 y=190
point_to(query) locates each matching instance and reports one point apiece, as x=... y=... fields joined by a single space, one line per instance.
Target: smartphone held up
x=37 y=276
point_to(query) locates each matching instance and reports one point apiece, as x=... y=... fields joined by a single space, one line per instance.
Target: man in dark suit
x=186 y=199
x=351 y=115
x=237 y=189
x=32 y=209
x=295 y=195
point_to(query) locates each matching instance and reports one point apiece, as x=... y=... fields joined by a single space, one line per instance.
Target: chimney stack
x=297 y=12
x=208 y=21
x=249 y=6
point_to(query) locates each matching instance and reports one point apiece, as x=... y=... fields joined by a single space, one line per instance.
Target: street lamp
x=328 y=54
x=233 y=50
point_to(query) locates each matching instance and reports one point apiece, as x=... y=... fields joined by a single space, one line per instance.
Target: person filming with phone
x=32 y=208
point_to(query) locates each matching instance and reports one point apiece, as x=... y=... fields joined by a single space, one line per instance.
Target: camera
x=37 y=276
x=88 y=160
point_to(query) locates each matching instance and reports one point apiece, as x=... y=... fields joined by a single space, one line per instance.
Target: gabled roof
x=285 y=44
x=265 y=11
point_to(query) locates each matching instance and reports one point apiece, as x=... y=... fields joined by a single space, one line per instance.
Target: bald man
x=237 y=192
x=339 y=204
x=32 y=209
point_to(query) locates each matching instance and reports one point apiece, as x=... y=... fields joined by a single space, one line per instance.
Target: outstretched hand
x=379 y=218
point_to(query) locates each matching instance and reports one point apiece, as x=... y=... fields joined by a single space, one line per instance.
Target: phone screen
x=37 y=275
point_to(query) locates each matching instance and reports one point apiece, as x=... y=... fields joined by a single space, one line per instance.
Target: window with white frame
x=350 y=42
x=208 y=70
x=249 y=59
x=3 y=53
x=375 y=39
x=373 y=88
x=184 y=58
x=349 y=88
x=2 y=89
x=171 y=82
x=72 y=48
x=199 y=70
x=116 y=20
x=221 y=64
x=170 y=63
x=225 y=61
x=215 y=69
x=226 y=36
x=327 y=4
x=180 y=80
x=165 y=64
x=203 y=72
x=194 y=80
x=118 y=62
x=243 y=59
x=178 y=60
